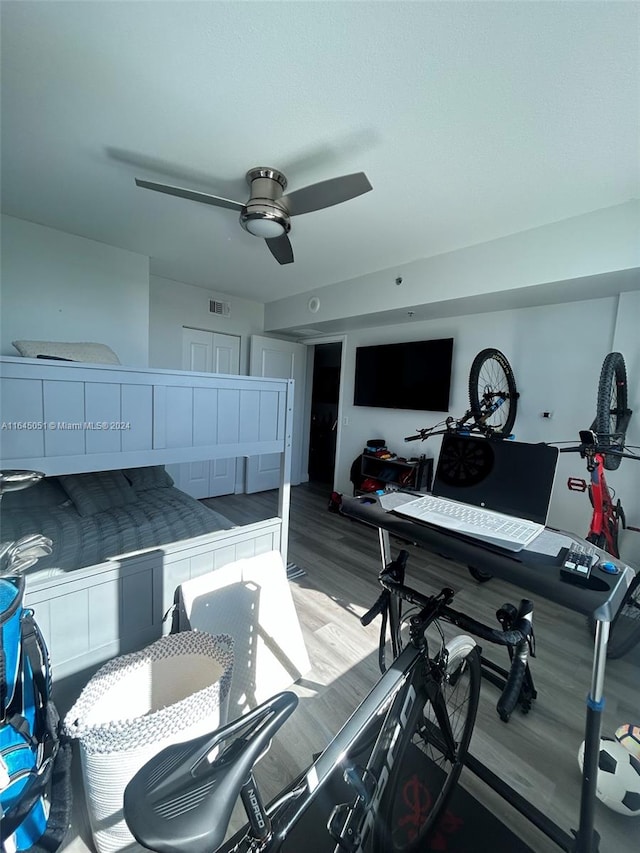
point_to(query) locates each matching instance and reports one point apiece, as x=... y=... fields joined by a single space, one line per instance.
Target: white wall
x=556 y=353
x=528 y=268
x=56 y=286
x=173 y=304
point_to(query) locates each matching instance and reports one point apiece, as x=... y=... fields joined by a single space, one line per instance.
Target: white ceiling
x=471 y=120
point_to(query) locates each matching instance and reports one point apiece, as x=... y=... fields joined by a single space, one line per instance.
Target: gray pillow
x=45 y=494
x=98 y=491
x=151 y=477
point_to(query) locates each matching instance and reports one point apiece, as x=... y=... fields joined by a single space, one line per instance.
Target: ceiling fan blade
x=281 y=249
x=326 y=193
x=192 y=195
x=169 y=171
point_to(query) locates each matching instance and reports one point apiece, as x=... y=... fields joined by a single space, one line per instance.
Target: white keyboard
x=494 y=527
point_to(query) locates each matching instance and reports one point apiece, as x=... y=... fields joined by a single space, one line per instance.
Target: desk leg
x=385 y=547
x=587 y=839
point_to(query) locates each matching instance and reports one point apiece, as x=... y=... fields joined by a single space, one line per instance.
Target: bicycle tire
x=393 y=833
x=491 y=378
x=624 y=631
x=611 y=406
x=599 y=540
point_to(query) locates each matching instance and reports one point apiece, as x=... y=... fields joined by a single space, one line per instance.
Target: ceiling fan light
x=262 y=218
x=267 y=228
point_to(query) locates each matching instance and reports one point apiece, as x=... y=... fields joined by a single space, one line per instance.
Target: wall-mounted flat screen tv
x=409 y=375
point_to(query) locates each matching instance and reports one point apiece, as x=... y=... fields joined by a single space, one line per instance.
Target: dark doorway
x=324 y=412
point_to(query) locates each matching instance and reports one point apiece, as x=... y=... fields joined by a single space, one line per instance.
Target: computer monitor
x=507 y=476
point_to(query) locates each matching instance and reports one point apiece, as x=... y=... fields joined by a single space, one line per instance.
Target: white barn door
x=209 y=352
x=282 y=360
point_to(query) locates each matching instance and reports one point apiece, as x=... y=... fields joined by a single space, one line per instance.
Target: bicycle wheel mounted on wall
x=611 y=411
x=492 y=393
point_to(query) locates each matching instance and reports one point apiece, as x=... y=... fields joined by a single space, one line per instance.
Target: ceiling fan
x=268 y=212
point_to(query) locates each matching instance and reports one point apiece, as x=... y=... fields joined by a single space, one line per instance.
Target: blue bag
x=28 y=722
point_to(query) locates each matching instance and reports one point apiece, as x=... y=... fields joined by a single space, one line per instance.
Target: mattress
x=158 y=517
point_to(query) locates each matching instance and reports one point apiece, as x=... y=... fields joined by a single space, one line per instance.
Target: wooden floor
x=536 y=753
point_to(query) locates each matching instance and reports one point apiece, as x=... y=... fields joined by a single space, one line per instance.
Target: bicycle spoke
x=613 y=409
x=430 y=738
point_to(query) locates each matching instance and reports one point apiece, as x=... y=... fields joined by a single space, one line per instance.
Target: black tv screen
x=409 y=375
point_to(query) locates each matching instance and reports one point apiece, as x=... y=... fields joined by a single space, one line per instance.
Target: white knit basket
x=136 y=705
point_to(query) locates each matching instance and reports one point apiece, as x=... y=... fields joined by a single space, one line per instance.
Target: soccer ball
x=629 y=736
x=618 y=782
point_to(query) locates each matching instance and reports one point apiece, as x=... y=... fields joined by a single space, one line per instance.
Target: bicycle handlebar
x=420 y=435
x=520 y=632
x=451 y=425
x=378 y=608
x=511 y=692
x=424 y=434
x=597 y=448
x=518 y=637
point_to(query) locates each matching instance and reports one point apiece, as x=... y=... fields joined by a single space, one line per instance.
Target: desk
x=537 y=570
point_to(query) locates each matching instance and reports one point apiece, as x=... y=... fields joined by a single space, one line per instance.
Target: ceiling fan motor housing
x=262 y=215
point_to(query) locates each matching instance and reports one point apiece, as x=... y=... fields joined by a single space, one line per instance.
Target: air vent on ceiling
x=223 y=309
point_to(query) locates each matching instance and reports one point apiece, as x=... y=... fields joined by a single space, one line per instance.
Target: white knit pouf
x=136 y=705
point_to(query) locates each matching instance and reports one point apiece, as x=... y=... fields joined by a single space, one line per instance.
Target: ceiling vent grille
x=222 y=309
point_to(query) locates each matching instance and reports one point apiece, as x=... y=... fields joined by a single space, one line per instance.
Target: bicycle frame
x=393 y=692
x=479 y=424
x=605 y=517
x=468 y=423
x=377 y=730
x=490 y=404
x=604 y=520
x=350 y=824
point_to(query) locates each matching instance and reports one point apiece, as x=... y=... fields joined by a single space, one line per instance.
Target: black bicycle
x=493 y=405
x=422 y=709
x=493 y=400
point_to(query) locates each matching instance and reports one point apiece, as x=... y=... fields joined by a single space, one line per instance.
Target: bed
x=93 y=517
x=70 y=418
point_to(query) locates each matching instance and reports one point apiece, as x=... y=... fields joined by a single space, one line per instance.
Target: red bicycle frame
x=603 y=530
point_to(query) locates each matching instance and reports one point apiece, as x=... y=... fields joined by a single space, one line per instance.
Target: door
x=209 y=352
x=325 y=397
x=281 y=360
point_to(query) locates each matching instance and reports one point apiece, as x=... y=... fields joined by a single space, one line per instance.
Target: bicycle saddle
x=182 y=801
